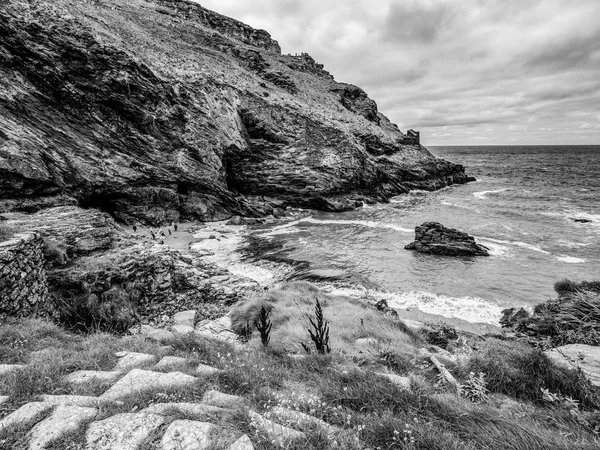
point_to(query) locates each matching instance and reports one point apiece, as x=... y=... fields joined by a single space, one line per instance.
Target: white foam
x=497 y=249
x=363 y=223
x=571 y=259
x=515 y=243
x=471 y=309
x=483 y=194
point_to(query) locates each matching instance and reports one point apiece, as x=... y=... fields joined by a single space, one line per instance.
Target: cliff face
x=162 y=110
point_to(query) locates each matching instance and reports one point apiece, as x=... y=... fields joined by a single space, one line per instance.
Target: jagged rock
x=299 y=419
x=401 y=382
x=138 y=381
x=25 y=414
x=586 y=357
x=132 y=360
x=3 y=399
x=194 y=409
x=187 y=435
x=171 y=363
x=186 y=318
x=243 y=443
x=10 y=368
x=88 y=376
x=205 y=370
x=220 y=328
x=216 y=398
x=511 y=316
x=123 y=431
x=64 y=420
x=436 y=239
x=133 y=133
x=275 y=432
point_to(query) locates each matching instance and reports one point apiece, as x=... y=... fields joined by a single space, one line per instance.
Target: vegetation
x=319 y=333
x=264 y=326
x=6 y=232
x=572 y=318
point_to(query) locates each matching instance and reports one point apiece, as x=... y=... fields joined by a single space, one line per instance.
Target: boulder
x=586 y=357
x=511 y=316
x=436 y=239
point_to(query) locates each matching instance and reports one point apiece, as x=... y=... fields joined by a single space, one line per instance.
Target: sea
x=537 y=208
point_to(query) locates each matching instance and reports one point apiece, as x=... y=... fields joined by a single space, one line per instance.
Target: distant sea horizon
x=537 y=207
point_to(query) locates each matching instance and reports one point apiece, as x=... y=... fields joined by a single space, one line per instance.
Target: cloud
x=463 y=72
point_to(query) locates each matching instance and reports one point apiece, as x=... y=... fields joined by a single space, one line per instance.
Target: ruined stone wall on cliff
x=23 y=283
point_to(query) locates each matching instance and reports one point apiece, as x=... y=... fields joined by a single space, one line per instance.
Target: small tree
x=263 y=325
x=320 y=335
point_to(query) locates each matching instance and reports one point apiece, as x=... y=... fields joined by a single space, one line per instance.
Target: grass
x=572 y=318
x=340 y=388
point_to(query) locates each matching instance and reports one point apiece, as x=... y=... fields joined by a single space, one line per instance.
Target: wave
x=483 y=194
x=362 y=223
x=571 y=259
x=516 y=244
x=471 y=309
x=446 y=203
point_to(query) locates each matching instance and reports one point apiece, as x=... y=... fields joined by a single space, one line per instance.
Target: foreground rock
x=123 y=431
x=436 y=239
x=586 y=357
x=103 y=106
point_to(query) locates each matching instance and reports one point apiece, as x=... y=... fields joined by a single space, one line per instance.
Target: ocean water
x=522 y=207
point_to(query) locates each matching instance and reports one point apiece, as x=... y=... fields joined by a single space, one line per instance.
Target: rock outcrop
x=99 y=274
x=436 y=239
x=574 y=356
x=163 y=110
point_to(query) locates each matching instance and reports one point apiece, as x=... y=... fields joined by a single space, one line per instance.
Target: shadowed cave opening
x=100 y=201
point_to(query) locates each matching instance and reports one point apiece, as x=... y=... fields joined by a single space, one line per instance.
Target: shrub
x=439 y=333
x=520 y=371
x=264 y=325
x=320 y=335
x=475 y=388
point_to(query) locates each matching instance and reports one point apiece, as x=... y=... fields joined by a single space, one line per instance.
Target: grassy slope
x=341 y=388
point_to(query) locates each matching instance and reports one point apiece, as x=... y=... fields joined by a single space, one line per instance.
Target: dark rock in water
x=156 y=112
x=278 y=213
x=511 y=316
x=582 y=220
x=237 y=220
x=436 y=239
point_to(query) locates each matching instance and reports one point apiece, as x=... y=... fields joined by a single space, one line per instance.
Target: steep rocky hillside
x=162 y=110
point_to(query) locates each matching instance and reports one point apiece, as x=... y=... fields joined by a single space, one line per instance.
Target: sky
x=463 y=72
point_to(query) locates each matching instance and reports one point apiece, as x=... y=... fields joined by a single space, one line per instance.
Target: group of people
x=158 y=233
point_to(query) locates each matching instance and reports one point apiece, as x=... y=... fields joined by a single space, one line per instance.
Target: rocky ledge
x=436 y=239
x=163 y=111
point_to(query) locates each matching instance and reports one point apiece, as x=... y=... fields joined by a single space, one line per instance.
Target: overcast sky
x=464 y=72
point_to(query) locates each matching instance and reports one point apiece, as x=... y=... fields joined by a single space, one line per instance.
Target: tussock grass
x=291 y=307
x=517 y=370
x=6 y=232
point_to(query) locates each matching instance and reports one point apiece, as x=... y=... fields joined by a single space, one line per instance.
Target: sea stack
x=436 y=239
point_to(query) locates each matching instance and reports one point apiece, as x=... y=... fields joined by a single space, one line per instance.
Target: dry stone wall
x=23 y=284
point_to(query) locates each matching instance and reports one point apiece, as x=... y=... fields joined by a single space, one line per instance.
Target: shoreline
x=222 y=245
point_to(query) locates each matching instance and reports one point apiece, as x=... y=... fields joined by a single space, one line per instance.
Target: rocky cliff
x=162 y=110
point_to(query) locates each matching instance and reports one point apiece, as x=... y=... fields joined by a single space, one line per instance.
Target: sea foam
x=483 y=194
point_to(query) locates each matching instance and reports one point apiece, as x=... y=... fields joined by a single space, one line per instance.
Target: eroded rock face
x=436 y=239
x=163 y=110
x=99 y=274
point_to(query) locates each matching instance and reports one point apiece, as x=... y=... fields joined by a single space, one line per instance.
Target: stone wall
x=23 y=284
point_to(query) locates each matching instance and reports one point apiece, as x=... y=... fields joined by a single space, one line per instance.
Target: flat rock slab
x=194 y=409
x=218 y=329
x=401 y=382
x=586 y=357
x=139 y=380
x=5 y=369
x=275 y=432
x=187 y=318
x=73 y=400
x=88 y=376
x=132 y=360
x=128 y=431
x=187 y=435
x=64 y=420
x=243 y=443
x=25 y=414
x=156 y=334
x=205 y=370
x=297 y=418
x=221 y=400
x=182 y=329
x=171 y=362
